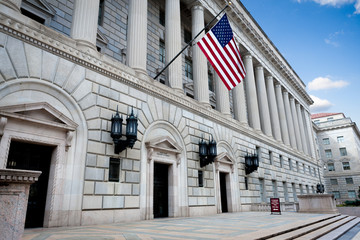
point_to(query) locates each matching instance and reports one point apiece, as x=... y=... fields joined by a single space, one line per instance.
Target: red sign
x=275 y=205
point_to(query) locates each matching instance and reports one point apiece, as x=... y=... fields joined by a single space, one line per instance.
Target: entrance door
x=33 y=157
x=224 y=205
x=161 y=196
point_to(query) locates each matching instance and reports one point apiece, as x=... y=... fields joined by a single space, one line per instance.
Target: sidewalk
x=221 y=226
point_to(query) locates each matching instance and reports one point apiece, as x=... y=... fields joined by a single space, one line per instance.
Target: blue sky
x=321 y=41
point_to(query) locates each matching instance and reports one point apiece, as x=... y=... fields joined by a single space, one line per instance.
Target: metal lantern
x=116 y=127
x=320 y=188
x=131 y=129
x=116 y=131
x=212 y=150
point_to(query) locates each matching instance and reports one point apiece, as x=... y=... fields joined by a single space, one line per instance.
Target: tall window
x=331 y=167
x=271 y=157
x=188 y=68
x=346 y=165
x=340 y=139
x=258 y=152
x=187 y=36
x=303 y=168
x=262 y=190
x=343 y=151
x=274 y=186
x=297 y=166
x=326 y=141
x=307 y=189
x=286 y=194
x=246 y=183
x=349 y=180
x=351 y=194
x=290 y=164
x=162 y=51
x=211 y=81
x=201 y=178
x=301 y=189
x=336 y=194
x=101 y=12
x=281 y=161
x=294 y=191
x=333 y=181
x=162 y=17
x=114 y=169
x=328 y=153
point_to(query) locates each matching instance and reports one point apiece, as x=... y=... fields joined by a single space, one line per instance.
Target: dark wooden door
x=224 y=205
x=33 y=157
x=161 y=192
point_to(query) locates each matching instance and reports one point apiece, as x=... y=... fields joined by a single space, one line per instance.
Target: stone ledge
x=18 y=176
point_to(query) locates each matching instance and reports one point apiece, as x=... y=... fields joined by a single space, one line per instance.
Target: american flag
x=220 y=49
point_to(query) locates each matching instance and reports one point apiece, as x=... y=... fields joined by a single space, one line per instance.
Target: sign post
x=275 y=206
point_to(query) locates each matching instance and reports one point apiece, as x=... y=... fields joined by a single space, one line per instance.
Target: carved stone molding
x=3 y=121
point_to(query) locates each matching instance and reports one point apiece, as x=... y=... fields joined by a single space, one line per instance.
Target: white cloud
x=337 y=3
x=332 y=38
x=322 y=83
x=320 y=105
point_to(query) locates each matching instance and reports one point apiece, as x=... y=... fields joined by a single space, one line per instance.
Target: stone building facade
x=66 y=66
x=339 y=142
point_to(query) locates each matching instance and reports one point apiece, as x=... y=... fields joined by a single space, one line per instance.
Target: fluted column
x=200 y=71
x=137 y=35
x=173 y=43
x=302 y=128
x=222 y=96
x=282 y=114
x=263 y=101
x=296 y=124
x=251 y=95
x=239 y=103
x=85 y=23
x=274 y=114
x=310 y=133
x=289 y=119
x=13 y=4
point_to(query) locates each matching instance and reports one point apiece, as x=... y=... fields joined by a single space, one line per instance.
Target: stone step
x=302 y=230
x=338 y=232
x=327 y=229
x=269 y=233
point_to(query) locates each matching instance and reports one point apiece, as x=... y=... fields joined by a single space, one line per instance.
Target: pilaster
x=274 y=114
x=296 y=124
x=222 y=96
x=137 y=36
x=84 y=24
x=173 y=43
x=251 y=94
x=289 y=119
x=263 y=101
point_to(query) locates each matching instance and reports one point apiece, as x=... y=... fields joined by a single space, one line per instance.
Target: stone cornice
x=60 y=45
x=18 y=176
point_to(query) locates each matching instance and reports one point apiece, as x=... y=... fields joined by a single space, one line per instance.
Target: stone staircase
x=332 y=226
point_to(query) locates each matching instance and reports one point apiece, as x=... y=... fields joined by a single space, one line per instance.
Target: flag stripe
x=219 y=47
x=216 y=67
x=218 y=62
x=223 y=57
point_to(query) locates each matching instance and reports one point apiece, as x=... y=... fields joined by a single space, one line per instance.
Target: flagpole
x=188 y=44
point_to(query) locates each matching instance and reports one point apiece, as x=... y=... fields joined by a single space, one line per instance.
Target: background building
x=66 y=66
x=339 y=143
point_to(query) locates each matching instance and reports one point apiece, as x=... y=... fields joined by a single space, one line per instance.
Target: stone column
x=263 y=101
x=296 y=125
x=173 y=43
x=289 y=119
x=85 y=23
x=251 y=94
x=282 y=115
x=239 y=103
x=200 y=70
x=310 y=133
x=302 y=128
x=13 y=4
x=274 y=114
x=137 y=36
x=222 y=96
